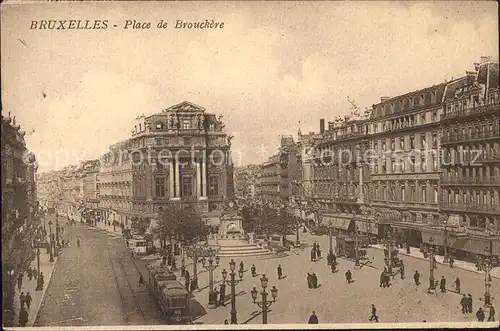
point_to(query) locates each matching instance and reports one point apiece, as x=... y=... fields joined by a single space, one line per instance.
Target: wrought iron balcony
x=471 y=181
x=472 y=111
x=452 y=138
x=470 y=207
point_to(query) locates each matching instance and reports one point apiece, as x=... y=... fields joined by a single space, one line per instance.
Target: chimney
x=382 y=99
x=322 y=126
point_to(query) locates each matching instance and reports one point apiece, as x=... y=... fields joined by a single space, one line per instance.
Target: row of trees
x=180 y=224
x=268 y=220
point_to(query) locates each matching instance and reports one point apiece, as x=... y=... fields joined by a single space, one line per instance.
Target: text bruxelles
x=128 y=24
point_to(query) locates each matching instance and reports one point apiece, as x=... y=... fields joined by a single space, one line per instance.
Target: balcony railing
x=472 y=111
x=473 y=136
x=491 y=157
x=471 y=207
x=471 y=181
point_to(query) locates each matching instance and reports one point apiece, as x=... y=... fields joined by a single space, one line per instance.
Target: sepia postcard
x=250 y=164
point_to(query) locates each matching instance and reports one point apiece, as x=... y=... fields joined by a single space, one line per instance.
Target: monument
x=231 y=240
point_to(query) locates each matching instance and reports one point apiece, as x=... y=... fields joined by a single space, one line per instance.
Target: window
x=187 y=141
x=383 y=145
x=186 y=124
x=383 y=126
x=375 y=146
x=159 y=125
x=412 y=192
x=424 y=193
x=423 y=144
x=160 y=187
x=393 y=165
x=434 y=116
x=412 y=164
x=403 y=195
x=424 y=163
x=187 y=186
x=403 y=167
x=393 y=144
x=375 y=192
x=402 y=143
x=423 y=118
x=433 y=96
x=213 y=186
x=384 y=168
x=434 y=139
x=412 y=142
x=140 y=127
x=434 y=163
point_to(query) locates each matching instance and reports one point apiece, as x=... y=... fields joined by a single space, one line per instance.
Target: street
x=95 y=284
x=102 y=272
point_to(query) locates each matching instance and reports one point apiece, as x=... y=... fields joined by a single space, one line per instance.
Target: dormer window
x=186 y=124
x=433 y=97
x=159 y=125
x=140 y=127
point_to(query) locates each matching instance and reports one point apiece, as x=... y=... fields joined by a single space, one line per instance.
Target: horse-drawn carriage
x=396 y=261
x=346 y=247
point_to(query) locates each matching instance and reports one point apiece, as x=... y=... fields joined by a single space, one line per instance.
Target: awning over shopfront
x=455 y=242
x=433 y=238
x=367 y=227
x=495 y=249
x=336 y=222
x=477 y=245
x=385 y=216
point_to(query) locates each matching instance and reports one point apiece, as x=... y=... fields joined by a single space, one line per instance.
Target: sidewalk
x=109 y=228
x=47 y=268
x=415 y=252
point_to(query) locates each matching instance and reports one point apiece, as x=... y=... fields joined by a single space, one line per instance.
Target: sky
x=271 y=66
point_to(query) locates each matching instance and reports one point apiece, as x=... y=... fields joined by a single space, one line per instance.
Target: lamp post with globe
x=264 y=304
x=232 y=282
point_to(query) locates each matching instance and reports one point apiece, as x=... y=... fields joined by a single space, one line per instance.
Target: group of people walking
x=26 y=299
x=315 y=252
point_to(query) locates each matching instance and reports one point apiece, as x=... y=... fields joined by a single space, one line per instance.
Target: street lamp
x=390 y=245
x=432 y=286
x=195 y=268
x=487 y=283
x=330 y=236
x=232 y=282
x=356 y=247
x=210 y=266
x=264 y=304
x=446 y=258
x=51 y=243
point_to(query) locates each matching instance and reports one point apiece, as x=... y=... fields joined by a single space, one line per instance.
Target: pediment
x=186 y=106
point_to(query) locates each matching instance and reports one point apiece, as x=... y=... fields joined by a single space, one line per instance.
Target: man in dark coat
x=222 y=295
x=374 y=314
x=480 y=315
x=469 y=303
x=20 y=281
x=30 y=273
x=22 y=300
x=463 y=303
x=253 y=269
x=491 y=317
x=23 y=317
x=28 y=300
x=457 y=285
x=313 y=319
x=280 y=271
x=333 y=266
x=314 y=280
x=313 y=255
x=416 y=277
x=442 y=285
x=348 y=276
x=382 y=279
x=241 y=266
x=309 y=280
x=402 y=271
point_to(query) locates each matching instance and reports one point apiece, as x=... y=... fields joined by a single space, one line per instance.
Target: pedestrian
x=442 y=285
x=382 y=279
x=28 y=300
x=387 y=280
x=309 y=280
x=469 y=303
x=20 y=281
x=187 y=275
x=314 y=280
x=253 y=269
x=333 y=266
x=280 y=271
x=318 y=251
x=402 y=271
x=40 y=282
x=193 y=285
x=407 y=248
x=141 y=279
x=480 y=315
x=30 y=273
x=241 y=266
x=313 y=319
x=451 y=261
x=23 y=317
x=313 y=255
x=226 y=321
x=491 y=317
x=374 y=314
x=416 y=277
x=78 y=242
x=348 y=276
x=222 y=295
x=334 y=259
x=457 y=285
x=463 y=303
x=22 y=300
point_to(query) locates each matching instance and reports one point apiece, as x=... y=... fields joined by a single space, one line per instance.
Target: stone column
x=198 y=178
x=177 y=179
x=361 y=195
x=171 y=178
x=204 y=178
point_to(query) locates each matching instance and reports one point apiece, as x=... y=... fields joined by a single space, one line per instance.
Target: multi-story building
x=269 y=182
x=179 y=154
x=341 y=174
x=20 y=223
x=245 y=180
x=48 y=189
x=71 y=185
x=470 y=184
x=404 y=137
